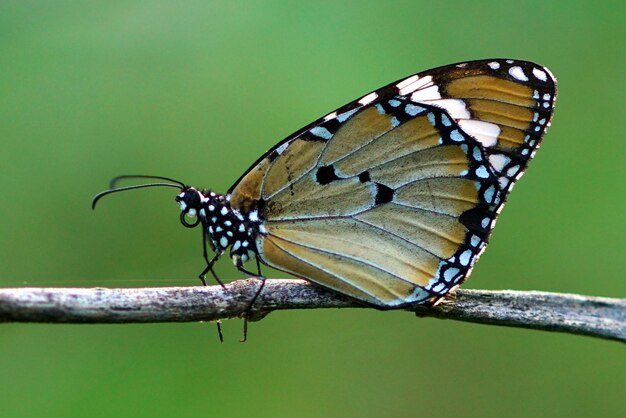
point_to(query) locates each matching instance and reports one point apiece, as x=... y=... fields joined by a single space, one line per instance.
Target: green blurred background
x=198 y=91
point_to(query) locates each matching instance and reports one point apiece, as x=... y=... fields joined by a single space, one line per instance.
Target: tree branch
x=574 y=314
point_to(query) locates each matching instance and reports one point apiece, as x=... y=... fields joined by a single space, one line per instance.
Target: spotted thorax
x=225 y=226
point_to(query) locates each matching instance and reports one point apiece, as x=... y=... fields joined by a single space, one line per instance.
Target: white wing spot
x=485 y=132
x=482 y=172
x=321 y=132
x=512 y=171
x=464 y=258
x=498 y=161
x=427 y=94
x=450 y=273
x=494 y=65
x=368 y=99
x=407 y=81
x=438 y=288
x=415 y=85
x=489 y=194
x=455 y=108
x=282 y=148
x=342 y=118
x=413 y=110
x=477 y=155
x=539 y=74
x=517 y=73
x=330 y=116
x=456 y=136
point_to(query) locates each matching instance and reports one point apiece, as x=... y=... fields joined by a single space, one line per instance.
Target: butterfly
x=390 y=199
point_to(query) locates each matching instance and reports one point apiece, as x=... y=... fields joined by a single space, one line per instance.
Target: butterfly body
x=226 y=227
x=391 y=198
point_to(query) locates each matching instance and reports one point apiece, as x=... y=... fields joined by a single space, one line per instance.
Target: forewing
x=391 y=198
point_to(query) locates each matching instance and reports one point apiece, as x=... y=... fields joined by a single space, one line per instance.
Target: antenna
x=140 y=186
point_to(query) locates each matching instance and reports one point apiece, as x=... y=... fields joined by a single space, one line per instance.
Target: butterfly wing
x=391 y=198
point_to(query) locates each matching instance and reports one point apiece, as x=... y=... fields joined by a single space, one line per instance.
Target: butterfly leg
x=209 y=263
x=260 y=276
x=209 y=267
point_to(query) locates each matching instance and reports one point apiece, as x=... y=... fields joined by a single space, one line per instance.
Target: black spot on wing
x=259 y=205
x=478 y=221
x=326 y=174
x=272 y=155
x=332 y=125
x=364 y=177
x=384 y=194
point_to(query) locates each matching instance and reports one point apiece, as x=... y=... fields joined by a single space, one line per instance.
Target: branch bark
x=575 y=314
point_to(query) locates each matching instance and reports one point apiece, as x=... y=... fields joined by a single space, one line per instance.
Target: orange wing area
x=506 y=105
x=391 y=199
x=378 y=233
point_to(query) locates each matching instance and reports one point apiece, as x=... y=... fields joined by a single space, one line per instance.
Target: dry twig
x=575 y=314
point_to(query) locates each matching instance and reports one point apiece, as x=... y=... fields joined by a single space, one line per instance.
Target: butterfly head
x=191 y=202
